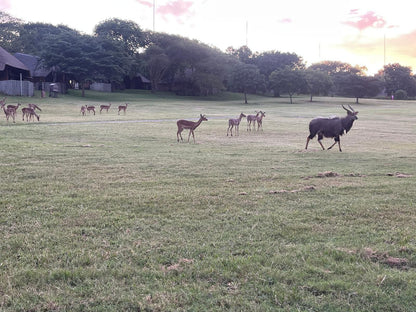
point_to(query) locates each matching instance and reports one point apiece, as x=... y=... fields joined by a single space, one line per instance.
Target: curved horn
x=346 y=109
x=352 y=109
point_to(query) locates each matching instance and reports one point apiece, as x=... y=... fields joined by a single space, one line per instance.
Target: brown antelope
x=29 y=113
x=15 y=107
x=122 y=108
x=90 y=109
x=252 y=119
x=34 y=106
x=106 y=107
x=83 y=110
x=235 y=123
x=191 y=125
x=8 y=111
x=260 y=121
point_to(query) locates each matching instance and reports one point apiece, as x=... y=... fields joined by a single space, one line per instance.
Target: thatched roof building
x=11 y=67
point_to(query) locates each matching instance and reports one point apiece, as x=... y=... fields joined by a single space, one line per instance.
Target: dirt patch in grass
x=380 y=257
x=399 y=175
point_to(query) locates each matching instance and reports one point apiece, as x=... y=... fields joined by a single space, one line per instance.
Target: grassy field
x=110 y=213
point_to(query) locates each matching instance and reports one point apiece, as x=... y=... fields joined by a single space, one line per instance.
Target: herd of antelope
x=11 y=111
x=323 y=127
x=91 y=108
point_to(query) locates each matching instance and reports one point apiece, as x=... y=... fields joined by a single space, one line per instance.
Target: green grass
x=110 y=213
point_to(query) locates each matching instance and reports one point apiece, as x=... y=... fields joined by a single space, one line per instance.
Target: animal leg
x=319 y=141
x=179 y=134
x=307 y=142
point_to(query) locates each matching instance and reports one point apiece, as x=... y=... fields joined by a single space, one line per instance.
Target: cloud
x=143 y=2
x=364 y=21
x=176 y=8
x=5 y=5
x=285 y=21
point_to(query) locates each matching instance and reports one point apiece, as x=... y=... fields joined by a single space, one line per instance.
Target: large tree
x=317 y=82
x=157 y=63
x=246 y=78
x=288 y=80
x=398 y=77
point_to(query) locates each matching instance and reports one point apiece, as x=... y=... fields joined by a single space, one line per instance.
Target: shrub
x=400 y=95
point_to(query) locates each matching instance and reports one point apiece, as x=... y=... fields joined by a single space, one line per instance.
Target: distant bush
x=400 y=95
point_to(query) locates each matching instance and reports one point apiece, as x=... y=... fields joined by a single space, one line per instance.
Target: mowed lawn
x=110 y=213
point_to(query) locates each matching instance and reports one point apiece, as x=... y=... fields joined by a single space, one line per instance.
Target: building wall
x=17 y=87
x=102 y=87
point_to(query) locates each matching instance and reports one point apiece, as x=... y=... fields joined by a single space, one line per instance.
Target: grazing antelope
x=8 y=111
x=331 y=127
x=252 y=119
x=29 y=113
x=235 y=123
x=83 y=110
x=90 y=109
x=122 y=108
x=106 y=107
x=260 y=121
x=191 y=125
x=34 y=106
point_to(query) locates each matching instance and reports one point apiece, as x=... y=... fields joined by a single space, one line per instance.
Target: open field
x=110 y=213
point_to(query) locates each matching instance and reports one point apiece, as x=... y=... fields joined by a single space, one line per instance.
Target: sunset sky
x=366 y=33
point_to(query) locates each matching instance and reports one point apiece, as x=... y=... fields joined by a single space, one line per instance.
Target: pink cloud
x=285 y=21
x=5 y=5
x=364 y=21
x=145 y=3
x=176 y=8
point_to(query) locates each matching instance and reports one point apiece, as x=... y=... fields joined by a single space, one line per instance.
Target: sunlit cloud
x=365 y=21
x=175 y=8
x=285 y=21
x=145 y=3
x=5 y=5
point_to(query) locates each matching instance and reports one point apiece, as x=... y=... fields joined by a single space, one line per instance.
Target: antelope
x=91 y=108
x=122 y=108
x=191 y=125
x=106 y=107
x=252 y=119
x=235 y=123
x=29 y=113
x=34 y=106
x=15 y=107
x=331 y=127
x=83 y=110
x=8 y=111
x=259 y=120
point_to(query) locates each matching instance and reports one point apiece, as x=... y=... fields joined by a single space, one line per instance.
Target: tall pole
x=154 y=14
x=246 y=33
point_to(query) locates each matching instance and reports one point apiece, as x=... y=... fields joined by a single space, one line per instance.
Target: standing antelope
x=29 y=113
x=15 y=107
x=259 y=120
x=106 y=107
x=235 y=123
x=122 y=108
x=331 y=127
x=8 y=111
x=91 y=108
x=83 y=110
x=191 y=125
x=252 y=119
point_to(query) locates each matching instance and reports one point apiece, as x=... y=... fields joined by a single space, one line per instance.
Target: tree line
x=118 y=49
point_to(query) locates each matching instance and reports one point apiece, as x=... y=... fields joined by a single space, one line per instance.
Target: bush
x=400 y=95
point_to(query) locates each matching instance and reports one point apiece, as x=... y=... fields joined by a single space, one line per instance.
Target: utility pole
x=154 y=14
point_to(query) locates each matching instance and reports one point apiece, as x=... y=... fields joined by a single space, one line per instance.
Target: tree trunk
x=245 y=97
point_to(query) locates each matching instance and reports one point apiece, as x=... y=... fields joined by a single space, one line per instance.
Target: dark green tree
x=10 y=29
x=288 y=80
x=398 y=77
x=246 y=78
x=317 y=82
x=157 y=63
